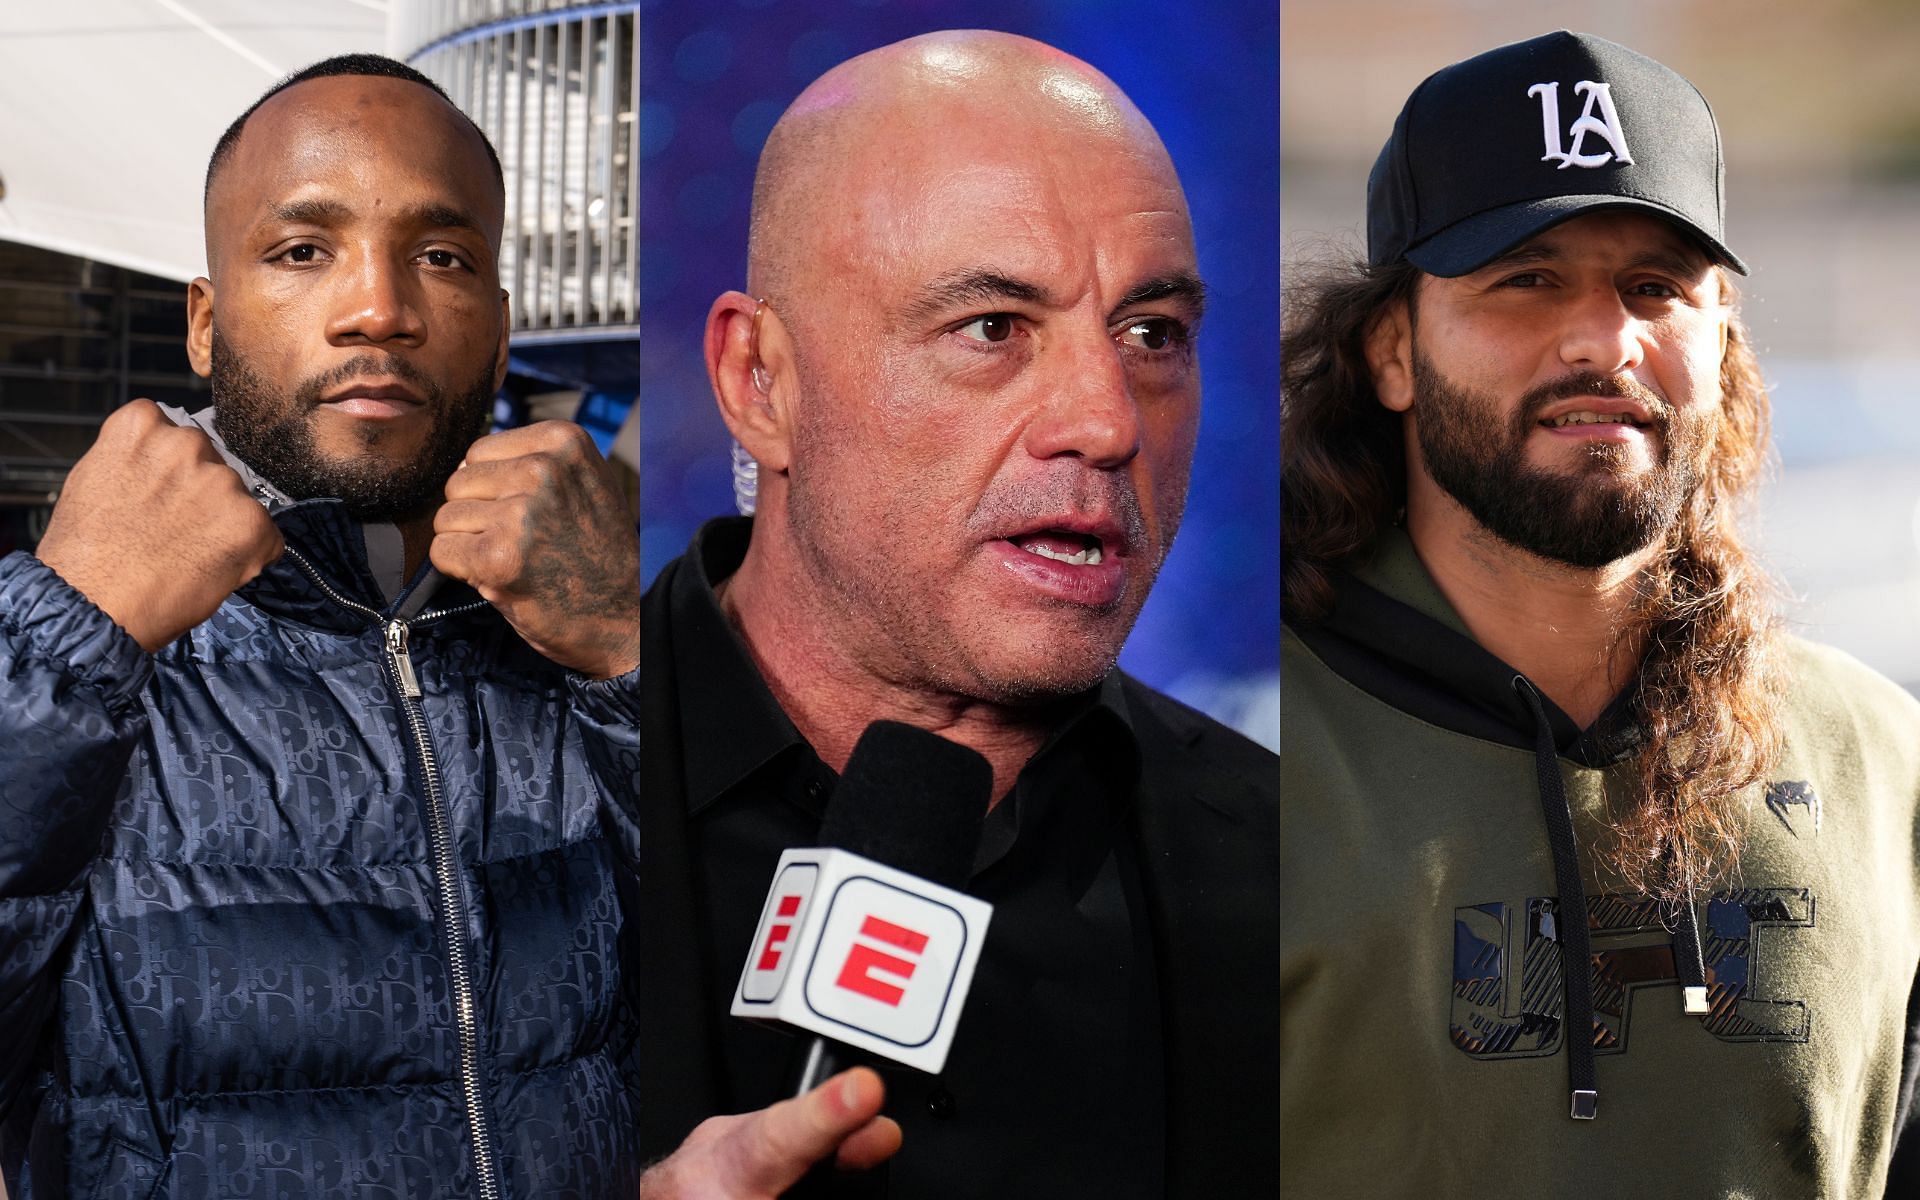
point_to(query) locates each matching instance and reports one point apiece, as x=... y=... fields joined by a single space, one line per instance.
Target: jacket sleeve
x=70 y=683
x=609 y=715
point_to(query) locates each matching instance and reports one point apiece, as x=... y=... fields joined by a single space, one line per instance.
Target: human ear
x=200 y=326
x=1389 y=351
x=750 y=365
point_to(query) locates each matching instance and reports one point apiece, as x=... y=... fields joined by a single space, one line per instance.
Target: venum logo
x=1597 y=119
x=1507 y=995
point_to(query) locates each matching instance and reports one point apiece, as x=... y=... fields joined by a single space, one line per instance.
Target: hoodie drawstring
x=1575 y=950
x=1575 y=946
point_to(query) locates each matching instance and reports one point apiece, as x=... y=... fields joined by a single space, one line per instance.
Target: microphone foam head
x=912 y=800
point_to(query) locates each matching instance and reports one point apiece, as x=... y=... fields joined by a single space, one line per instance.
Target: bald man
x=306 y=706
x=964 y=364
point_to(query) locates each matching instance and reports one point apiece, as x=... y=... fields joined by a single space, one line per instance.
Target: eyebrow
x=982 y=286
x=974 y=286
x=333 y=212
x=1179 y=285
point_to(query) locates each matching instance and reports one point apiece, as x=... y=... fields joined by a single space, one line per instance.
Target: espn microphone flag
x=865 y=941
x=864 y=954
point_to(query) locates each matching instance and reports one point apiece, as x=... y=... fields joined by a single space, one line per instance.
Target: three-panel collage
x=920 y=600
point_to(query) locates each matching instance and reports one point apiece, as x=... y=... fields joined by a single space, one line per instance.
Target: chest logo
x=1597 y=120
x=1792 y=798
x=1507 y=996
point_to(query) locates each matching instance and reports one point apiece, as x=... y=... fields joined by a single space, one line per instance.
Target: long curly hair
x=1708 y=691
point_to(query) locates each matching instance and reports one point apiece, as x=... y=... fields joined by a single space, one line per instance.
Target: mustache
x=1587 y=383
x=362 y=365
x=1067 y=491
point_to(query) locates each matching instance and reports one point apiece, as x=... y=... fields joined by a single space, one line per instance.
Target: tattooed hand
x=535 y=521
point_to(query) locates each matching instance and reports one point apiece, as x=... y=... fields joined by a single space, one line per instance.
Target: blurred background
x=714 y=78
x=109 y=110
x=1820 y=120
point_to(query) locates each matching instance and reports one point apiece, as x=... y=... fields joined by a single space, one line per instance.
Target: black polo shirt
x=1054 y=1085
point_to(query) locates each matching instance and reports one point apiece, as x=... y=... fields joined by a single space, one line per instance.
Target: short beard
x=1592 y=516
x=271 y=431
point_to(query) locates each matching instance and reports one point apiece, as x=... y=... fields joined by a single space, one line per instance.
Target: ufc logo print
x=777 y=934
x=1597 y=119
x=865 y=958
x=1507 y=995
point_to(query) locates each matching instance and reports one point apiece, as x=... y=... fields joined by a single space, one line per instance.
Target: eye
x=300 y=254
x=1655 y=289
x=444 y=259
x=1525 y=279
x=994 y=327
x=1153 y=333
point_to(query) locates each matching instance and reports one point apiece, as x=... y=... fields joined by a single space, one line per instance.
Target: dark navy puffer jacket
x=271 y=927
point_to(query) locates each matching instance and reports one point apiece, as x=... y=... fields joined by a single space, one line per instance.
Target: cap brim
x=1466 y=246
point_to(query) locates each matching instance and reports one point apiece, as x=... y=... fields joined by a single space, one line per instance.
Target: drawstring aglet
x=1695 y=1002
x=1585 y=1104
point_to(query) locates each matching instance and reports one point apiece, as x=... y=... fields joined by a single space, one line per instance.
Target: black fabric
x=1119 y=1038
x=1903 y=1173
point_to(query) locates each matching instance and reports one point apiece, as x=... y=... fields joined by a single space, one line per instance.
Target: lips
x=377 y=400
x=1078 y=560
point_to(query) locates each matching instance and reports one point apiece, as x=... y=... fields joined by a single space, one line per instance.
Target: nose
x=1091 y=412
x=1601 y=336
x=376 y=301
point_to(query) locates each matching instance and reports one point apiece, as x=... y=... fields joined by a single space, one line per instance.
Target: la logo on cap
x=1598 y=119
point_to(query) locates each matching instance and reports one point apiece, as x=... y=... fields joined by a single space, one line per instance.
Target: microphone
x=866 y=941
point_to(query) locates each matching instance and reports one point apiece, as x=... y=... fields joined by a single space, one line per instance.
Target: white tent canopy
x=109 y=109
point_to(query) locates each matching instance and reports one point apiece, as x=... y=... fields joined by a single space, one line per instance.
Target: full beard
x=272 y=432
x=1596 y=514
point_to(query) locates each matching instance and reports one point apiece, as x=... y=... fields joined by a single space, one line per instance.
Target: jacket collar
x=337 y=548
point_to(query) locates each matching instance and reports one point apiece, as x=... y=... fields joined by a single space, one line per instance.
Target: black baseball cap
x=1494 y=150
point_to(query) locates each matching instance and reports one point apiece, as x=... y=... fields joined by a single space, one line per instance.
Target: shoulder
x=1834 y=702
x=1174 y=735
x=1826 y=683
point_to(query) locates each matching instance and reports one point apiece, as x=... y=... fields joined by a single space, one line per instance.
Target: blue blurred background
x=713 y=80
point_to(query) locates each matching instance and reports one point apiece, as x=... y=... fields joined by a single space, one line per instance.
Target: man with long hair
x=1532 y=669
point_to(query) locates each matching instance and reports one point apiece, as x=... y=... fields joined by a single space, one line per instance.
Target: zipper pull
x=402 y=661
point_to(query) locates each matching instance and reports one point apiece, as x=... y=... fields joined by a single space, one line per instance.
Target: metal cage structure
x=555 y=84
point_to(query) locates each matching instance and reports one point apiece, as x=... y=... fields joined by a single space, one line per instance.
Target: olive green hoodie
x=1422 y=1002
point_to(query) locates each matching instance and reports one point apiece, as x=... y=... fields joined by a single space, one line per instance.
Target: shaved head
x=948 y=92
x=965 y=369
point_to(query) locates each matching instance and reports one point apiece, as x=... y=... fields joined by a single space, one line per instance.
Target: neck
x=1568 y=629
x=832 y=694
x=416 y=540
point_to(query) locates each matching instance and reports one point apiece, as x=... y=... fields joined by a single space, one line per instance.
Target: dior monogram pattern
x=220 y=972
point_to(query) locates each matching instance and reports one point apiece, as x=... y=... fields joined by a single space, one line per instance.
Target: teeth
x=1089 y=557
x=1588 y=418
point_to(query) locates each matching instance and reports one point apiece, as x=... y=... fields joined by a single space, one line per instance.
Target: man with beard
x=308 y=708
x=1567 y=816
x=964 y=365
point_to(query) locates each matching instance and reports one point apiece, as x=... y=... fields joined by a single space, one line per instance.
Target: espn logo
x=865 y=957
x=884 y=958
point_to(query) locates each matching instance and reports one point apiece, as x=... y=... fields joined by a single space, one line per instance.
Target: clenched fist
x=535 y=521
x=154 y=528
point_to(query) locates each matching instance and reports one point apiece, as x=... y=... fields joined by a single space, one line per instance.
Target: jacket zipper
x=448 y=882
